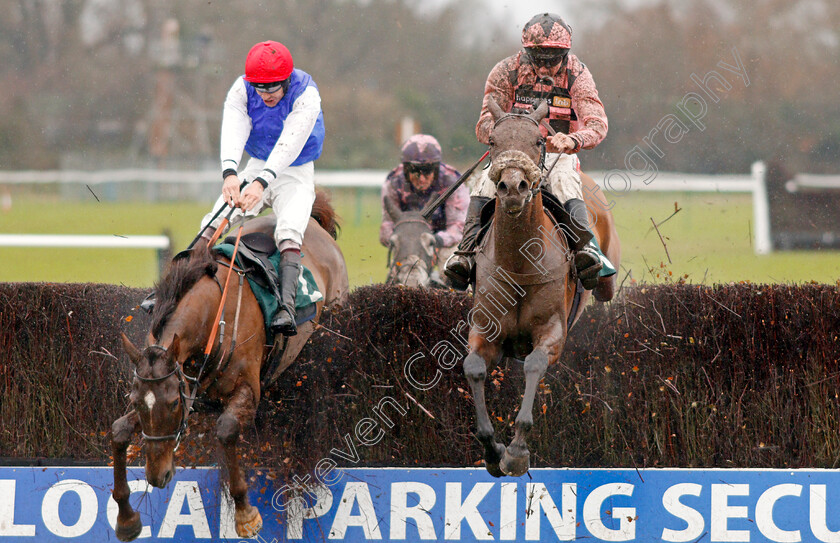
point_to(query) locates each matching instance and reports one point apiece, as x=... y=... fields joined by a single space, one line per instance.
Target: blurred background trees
x=118 y=83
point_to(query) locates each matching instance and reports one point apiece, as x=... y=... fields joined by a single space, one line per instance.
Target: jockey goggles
x=270 y=88
x=546 y=56
x=421 y=168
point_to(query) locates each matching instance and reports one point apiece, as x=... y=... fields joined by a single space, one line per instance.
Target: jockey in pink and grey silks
x=447 y=220
x=421 y=177
x=574 y=106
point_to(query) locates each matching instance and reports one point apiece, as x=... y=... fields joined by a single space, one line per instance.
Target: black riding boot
x=284 y=320
x=459 y=266
x=587 y=261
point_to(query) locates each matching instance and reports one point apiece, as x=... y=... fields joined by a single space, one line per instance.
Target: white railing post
x=162 y=244
x=761 y=210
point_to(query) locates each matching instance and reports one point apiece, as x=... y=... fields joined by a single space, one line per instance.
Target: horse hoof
x=605 y=291
x=493 y=453
x=515 y=465
x=128 y=531
x=249 y=522
x=494 y=470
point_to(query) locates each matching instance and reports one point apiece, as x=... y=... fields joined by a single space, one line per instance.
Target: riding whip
x=206 y=226
x=437 y=202
x=216 y=216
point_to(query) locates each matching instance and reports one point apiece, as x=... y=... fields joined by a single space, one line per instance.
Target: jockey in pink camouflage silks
x=543 y=70
x=420 y=178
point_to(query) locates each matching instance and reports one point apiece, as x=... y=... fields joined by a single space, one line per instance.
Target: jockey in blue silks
x=273 y=113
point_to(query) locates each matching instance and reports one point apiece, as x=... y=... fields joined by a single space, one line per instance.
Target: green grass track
x=708 y=241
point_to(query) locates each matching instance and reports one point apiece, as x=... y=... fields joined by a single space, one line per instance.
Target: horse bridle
x=183 y=378
x=188 y=400
x=541 y=165
x=391 y=264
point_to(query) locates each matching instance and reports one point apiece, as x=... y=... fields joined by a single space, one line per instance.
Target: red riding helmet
x=268 y=62
x=421 y=149
x=547 y=30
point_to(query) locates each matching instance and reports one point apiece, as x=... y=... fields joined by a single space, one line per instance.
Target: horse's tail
x=323 y=212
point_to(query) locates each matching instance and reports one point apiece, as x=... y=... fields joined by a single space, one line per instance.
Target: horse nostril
x=523 y=186
x=502 y=188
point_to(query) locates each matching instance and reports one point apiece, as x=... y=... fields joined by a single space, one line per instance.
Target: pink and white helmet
x=421 y=149
x=547 y=30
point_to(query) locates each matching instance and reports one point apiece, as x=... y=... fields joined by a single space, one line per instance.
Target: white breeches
x=290 y=196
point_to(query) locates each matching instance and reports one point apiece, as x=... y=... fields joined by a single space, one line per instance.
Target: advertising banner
x=397 y=504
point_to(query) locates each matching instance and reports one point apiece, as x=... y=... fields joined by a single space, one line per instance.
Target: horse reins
x=218 y=322
x=221 y=228
x=541 y=164
x=187 y=400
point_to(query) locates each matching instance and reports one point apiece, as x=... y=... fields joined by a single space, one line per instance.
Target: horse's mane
x=180 y=276
x=323 y=212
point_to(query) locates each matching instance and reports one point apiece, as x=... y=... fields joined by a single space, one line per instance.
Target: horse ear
x=494 y=108
x=540 y=113
x=132 y=351
x=174 y=349
x=428 y=241
x=392 y=208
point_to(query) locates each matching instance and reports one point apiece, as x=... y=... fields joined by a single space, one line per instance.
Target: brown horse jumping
x=168 y=371
x=523 y=305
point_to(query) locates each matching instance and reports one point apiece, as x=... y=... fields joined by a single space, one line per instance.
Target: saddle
x=254 y=250
x=257 y=255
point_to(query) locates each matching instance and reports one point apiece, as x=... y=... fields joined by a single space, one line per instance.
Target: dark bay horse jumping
x=411 y=249
x=167 y=371
x=524 y=306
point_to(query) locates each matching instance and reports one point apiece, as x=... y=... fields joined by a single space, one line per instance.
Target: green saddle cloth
x=307 y=291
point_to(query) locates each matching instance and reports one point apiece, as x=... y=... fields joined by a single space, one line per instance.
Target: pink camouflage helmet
x=547 y=30
x=421 y=149
x=546 y=39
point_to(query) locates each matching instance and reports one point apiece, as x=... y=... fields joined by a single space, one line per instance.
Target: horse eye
x=491 y=141
x=173 y=404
